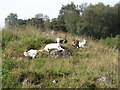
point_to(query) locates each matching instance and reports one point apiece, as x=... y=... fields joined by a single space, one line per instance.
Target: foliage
x=8 y=80
x=97 y=21
x=38 y=21
x=41 y=16
x=67 y=19
x=111 y=41
x=11 y=20
x=8 y=36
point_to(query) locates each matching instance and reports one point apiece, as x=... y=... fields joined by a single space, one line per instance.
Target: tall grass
x=80 y=71
x=111 y=41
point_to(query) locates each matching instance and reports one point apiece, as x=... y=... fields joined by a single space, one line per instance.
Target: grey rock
x=25 y=82
x=60 y=53
x=39 y=85
x=106 y=80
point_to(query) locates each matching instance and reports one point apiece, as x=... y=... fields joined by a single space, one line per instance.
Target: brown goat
x=75 y=43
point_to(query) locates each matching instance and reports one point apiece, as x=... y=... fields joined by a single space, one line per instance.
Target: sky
x=26 y=9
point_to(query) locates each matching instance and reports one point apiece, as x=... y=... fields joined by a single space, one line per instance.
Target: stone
x=60 y=53
x=106 y=80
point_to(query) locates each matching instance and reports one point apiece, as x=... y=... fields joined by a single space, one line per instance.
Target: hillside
x=80 y=71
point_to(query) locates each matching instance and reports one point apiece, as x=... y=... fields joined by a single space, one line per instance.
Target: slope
x=80 y=71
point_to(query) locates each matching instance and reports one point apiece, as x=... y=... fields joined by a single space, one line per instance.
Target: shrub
x=8 y=65
x=8 y=80
x=8 y=36
x=111 y=41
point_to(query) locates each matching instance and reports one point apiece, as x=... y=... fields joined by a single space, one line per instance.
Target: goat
x=75 y=43
x=31 y=53
x=59 y=40
x=78 y=44
x=64 y=41
x=53 y=46
x=81 y=44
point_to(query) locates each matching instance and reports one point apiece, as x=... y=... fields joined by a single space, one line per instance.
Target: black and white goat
x=60 y=40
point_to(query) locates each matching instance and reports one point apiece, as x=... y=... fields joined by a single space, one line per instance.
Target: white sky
x=29 y=8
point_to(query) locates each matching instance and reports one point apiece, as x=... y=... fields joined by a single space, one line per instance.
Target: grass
x=80 y=71
x=111 y=41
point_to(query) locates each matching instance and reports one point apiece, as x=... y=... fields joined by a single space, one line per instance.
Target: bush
x=8 y=36
x=8 y=65
x=111 y=41
x=8 y=80
x=36 y=44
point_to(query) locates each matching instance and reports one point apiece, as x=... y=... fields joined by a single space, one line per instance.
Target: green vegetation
x=80 y=71
x=111 y=41
x=97 y=21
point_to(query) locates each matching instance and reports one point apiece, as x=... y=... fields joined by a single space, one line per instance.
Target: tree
x=68 y=9
x=42 y=20
x=83 y=6
x=53 y=24
x=98 y=21
x=117 y=16
x=21 y=22
x=36 y=22
x=39 y=15
x=70 y=15
x=11 y=20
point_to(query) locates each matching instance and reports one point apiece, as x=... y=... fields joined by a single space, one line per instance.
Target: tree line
x=97 y=21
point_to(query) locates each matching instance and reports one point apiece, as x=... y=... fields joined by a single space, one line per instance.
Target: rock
x=40 y=85
x=55 y=52
x=105 y=80
x=60 y=53
x=25 y=82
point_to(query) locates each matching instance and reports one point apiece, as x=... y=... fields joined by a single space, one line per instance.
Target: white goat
x=53 y=46
x=58 y=40
x=31 y=53
x=81 y=44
